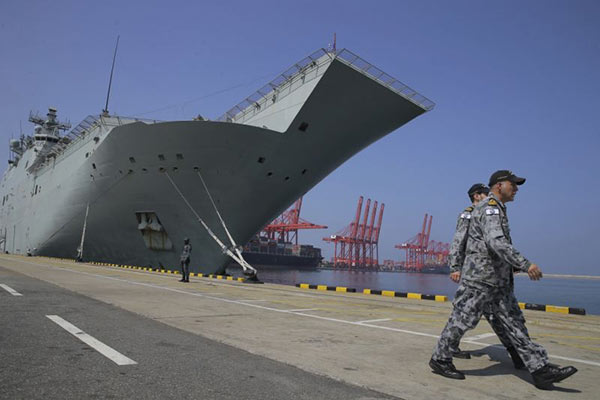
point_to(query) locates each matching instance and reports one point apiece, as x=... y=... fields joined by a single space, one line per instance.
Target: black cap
x=505 y=175
x=478 y=188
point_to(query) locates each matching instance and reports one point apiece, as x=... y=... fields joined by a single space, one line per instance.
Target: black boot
x=516 y=359
x=544 y=377
x=462 y=354
x=445 y=368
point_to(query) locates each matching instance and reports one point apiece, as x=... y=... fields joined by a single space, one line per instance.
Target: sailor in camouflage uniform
x=486 y=285
x=478 y=192
x=185 y=260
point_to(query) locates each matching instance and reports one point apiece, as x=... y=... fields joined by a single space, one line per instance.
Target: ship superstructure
x=126 y=190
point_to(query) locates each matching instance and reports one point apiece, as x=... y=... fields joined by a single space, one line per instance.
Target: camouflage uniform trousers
x=185 y=268
x=470 y=304
x=496 y=327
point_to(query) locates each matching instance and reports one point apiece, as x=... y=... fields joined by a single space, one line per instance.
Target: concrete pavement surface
x=40 y=360
x=236 y=340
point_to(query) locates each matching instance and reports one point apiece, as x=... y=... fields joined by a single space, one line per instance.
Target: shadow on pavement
x=504 y=366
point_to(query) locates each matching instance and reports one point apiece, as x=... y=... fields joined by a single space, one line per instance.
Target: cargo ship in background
x=264 y=252
x=277 y=243
x=400 y=266
x=128 y=191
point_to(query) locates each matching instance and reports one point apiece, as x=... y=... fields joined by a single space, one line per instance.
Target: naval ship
x=129 y=191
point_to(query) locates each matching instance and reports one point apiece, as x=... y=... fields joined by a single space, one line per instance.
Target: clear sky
x=516 y=84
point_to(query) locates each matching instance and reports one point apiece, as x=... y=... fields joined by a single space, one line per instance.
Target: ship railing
x=91 y=121
x=308 y=69
x=79 y=136
x=359 y=64
x=121 y=120
x=293 y=78
x=84 y=126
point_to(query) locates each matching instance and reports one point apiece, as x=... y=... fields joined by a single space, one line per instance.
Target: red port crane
x=285 y=227
x=357 y=244
x=420 y=251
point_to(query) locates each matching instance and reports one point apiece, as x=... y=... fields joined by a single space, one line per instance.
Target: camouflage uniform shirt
x=456 y=256
x=186 y=252
x=490 y=256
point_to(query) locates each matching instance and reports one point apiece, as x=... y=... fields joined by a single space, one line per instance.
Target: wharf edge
x=440 y=298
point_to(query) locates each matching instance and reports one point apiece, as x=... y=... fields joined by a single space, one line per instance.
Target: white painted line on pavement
x=387 y=328
x=10 y=290
x=302 y=309
x=373 y=320
x=97 y=345
x=246 y=300
x=292 y=312
x=482 y=336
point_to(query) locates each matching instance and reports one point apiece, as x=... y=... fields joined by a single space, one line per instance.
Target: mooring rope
x=235 y=246
x=240 y=260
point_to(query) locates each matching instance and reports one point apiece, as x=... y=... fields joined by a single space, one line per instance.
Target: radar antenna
x=105 y=111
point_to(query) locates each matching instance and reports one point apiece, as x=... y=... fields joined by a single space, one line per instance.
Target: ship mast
x=334 y=43
x=105 y=110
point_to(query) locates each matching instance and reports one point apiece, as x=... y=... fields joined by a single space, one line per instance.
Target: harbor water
x=558 y=291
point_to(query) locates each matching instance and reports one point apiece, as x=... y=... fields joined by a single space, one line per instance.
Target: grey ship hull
x=253 y=173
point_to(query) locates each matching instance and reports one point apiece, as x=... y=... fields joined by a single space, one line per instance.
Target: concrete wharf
x=306 y=344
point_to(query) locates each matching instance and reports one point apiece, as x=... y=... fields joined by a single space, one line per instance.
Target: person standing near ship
x=456 y=257
x=486 y=284
x=185 y=260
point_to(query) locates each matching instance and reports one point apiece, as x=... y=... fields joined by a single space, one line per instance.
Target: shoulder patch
x=492 y=202
x=469 y=209
x=492 y=211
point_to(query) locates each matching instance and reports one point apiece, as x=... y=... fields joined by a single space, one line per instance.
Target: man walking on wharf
x=456 y=257
x=486 y=285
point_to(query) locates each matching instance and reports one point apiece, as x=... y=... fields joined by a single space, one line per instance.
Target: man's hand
x=534 y=272
x=455 y=276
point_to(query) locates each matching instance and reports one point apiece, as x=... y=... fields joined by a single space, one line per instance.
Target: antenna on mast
x=105 y=111
x=334 y=44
